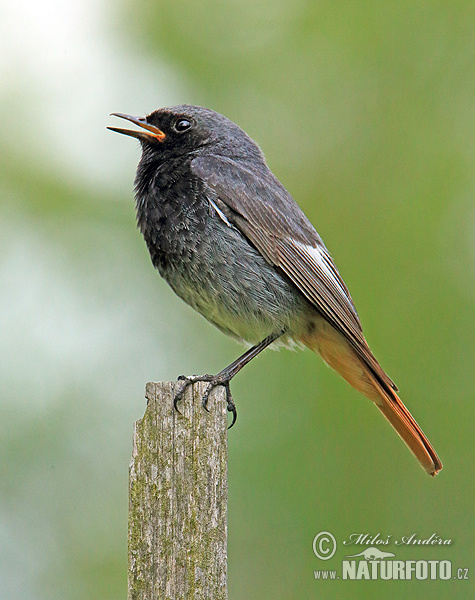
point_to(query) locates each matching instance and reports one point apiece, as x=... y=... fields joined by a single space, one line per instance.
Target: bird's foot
x=213 y=381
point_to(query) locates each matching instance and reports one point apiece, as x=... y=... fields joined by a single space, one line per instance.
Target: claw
x=231 y=406
x=189 y=380
x=177 y=398
x=234 y=411
x=224 y=377
x=204 y=400
x=214 y=381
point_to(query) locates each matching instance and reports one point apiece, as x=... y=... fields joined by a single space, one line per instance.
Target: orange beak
x=153 y=134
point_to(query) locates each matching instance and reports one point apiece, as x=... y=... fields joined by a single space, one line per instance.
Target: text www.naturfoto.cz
x=394 y=569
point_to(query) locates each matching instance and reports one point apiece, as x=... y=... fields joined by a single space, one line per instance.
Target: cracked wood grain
x=178 y=497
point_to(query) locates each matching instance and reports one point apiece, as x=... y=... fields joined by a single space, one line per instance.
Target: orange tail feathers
x=339 y=354
x=404 y=423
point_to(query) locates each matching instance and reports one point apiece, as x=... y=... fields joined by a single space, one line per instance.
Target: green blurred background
x=365 y=111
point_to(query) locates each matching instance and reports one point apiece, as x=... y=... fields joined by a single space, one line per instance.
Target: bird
x=232 y=243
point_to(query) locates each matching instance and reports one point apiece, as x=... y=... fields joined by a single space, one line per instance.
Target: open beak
x=153 y=134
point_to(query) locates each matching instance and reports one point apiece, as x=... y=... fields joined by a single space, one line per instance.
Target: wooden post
x=178 y=497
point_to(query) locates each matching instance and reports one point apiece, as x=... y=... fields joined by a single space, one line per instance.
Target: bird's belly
x=227 y=281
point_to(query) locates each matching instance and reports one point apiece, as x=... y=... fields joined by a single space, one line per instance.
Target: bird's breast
x=211 y=265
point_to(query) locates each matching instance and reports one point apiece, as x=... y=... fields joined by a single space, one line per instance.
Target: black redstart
x=232 y=243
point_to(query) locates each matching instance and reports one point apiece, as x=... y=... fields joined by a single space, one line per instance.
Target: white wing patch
x=319 y=255
x=220 y=213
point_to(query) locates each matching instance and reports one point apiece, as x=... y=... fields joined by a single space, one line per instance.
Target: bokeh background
x=366 y=113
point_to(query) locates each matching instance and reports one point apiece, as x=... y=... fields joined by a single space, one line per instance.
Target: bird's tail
x=404 y=423
x=339 y=354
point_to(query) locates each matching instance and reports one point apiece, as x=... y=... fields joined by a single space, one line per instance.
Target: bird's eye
x=182 y=125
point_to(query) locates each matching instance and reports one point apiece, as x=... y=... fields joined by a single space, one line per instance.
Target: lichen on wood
x=178 y=497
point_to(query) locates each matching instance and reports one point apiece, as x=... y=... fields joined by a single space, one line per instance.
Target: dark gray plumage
x=232 y=243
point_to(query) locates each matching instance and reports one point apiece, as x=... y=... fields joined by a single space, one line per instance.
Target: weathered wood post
x=178 y=497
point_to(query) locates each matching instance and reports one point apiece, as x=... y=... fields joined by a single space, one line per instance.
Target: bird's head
x=184 y=129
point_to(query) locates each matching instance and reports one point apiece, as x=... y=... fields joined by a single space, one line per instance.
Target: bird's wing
x=255 y=202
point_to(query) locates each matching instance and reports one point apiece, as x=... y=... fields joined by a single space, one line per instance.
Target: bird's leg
x=224 y=377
